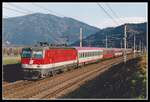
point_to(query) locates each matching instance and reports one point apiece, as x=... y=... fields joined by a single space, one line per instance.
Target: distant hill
x=28 y=29
x=98 y=39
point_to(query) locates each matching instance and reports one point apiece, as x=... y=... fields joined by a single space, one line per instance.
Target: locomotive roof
x=42 y=48
x=77 y=48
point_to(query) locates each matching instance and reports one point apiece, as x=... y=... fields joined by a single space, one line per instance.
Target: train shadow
x=12 y=72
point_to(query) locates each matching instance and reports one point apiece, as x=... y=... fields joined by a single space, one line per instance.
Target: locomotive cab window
x=26 y=54
x=37 y=54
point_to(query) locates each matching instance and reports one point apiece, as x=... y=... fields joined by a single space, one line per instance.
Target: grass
x=11 y=60
x=140 y=79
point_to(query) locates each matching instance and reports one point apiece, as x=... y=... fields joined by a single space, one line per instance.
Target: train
x=41 y=62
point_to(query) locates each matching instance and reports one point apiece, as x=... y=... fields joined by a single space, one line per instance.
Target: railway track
x=54 y=86
x=11 y=85
x=19 y=85
x=54 y=91
x=73 y=83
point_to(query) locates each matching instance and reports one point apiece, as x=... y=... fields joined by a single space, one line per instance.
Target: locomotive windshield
x=26 y=54
x=37 y=54
x=29 y=53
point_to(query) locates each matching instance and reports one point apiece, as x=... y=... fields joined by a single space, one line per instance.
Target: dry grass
x=11 y=60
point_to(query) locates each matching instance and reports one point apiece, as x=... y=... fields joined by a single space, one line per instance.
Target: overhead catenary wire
x=13 y=5
x=114 y=13
x=15 y=10
x=5 y=17
x=107 y=14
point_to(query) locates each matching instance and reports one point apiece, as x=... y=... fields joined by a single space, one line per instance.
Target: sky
x=89 y=13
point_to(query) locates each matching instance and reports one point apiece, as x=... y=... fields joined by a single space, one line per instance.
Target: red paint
x=59 y=55
x=108 y=55
x=53 y=55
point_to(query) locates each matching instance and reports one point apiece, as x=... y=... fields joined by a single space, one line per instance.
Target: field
x=11 y=55
x=11 y=59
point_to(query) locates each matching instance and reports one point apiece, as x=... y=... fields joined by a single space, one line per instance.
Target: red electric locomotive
x=41 y=62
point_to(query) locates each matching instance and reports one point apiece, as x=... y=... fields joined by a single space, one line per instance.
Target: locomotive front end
x=31 y=61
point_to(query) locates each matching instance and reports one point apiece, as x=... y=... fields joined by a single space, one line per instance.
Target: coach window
x=83 y=54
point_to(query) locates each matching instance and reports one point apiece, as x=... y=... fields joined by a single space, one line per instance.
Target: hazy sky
x=89 y=13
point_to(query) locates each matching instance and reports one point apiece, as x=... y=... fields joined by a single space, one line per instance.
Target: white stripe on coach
x=90 y=51
x=90 y=58
x=47 y=66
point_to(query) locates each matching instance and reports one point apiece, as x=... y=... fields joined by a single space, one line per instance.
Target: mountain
x=115 y=35
x=29 y=29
